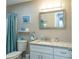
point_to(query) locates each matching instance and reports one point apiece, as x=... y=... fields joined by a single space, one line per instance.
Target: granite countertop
x=52 y=43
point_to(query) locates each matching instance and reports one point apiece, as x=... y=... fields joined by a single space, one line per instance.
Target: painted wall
x=32 y=9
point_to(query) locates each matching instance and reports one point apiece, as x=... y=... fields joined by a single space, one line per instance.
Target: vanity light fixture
x=51 y=5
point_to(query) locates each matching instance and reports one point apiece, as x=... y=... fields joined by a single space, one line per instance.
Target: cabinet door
x=60 y=57
x=63 y=52
x=46 y=56
x=34 y=55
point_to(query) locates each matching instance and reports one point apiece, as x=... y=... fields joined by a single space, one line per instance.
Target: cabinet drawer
x=59 y=57
x=37 y=55
x=63 y=52
x=42 y=49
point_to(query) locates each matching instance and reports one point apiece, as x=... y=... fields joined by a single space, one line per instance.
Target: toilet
x=21 y=46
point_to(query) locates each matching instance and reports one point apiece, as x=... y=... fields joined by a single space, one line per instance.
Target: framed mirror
x=52 y=20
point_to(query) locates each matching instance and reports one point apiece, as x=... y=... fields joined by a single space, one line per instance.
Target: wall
x=32 y=9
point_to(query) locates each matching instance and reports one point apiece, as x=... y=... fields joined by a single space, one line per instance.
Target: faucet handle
x=57 y=39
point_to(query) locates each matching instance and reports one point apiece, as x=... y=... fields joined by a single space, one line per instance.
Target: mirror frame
x=53 y=12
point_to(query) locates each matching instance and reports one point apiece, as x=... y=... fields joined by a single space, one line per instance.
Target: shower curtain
x=11 y=33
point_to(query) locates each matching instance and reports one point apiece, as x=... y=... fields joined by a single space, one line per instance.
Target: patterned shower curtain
x=11 y=33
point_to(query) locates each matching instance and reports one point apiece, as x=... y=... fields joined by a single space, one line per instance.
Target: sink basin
x=44 y=42
x=48 y=41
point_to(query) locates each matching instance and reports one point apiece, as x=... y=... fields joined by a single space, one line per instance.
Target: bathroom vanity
x=50 y=50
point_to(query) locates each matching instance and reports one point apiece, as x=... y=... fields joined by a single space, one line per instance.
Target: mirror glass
x=52 y=19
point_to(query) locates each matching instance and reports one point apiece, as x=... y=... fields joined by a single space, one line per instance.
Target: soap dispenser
x=33 y=36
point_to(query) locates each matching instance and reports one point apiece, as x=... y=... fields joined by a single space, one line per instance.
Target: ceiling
x=11 y=2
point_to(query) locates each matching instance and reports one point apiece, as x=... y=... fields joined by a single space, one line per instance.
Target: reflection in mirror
x=53 y=19
x=59 y=22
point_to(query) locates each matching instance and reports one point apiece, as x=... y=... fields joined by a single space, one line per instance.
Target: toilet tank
x=21 y=45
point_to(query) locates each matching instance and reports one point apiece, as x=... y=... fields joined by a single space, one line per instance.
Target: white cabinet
x=41 y=52
x=46 y=56
x=46 y=52
x=34 y=55
x=42 y=49
x=37 y=55
x=60 y=57
x=62 y=53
